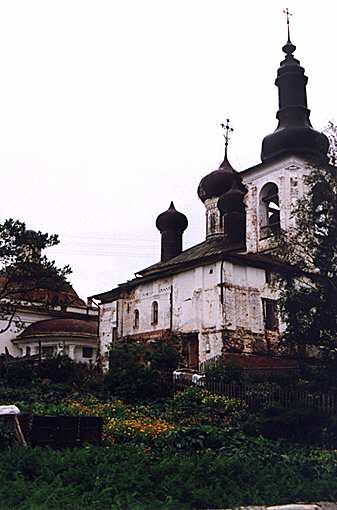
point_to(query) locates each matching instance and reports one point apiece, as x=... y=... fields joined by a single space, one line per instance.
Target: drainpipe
x=221 y=281
x=222 y=291
x=171 y=308
x=117 y=319
x=98 y=353
x=121 y=313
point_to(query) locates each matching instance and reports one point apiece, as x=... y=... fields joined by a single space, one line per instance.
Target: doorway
x=190 y=350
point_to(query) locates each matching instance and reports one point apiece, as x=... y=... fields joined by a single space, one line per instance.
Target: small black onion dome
x=232 y=201
x=171 y=220
x=218 y=182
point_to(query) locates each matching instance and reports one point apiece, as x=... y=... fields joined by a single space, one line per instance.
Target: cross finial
x=288 y=14
x=227 y=129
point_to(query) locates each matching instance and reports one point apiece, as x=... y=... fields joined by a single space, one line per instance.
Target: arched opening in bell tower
x=269 y=210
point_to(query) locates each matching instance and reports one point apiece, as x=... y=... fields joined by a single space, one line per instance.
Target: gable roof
x=210 y=248
x=208 y=251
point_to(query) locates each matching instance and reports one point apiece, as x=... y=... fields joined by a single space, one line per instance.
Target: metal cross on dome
x=288 y=14
x=227 y=129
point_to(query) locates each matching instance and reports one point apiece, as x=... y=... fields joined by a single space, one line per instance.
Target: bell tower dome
x=294 y=134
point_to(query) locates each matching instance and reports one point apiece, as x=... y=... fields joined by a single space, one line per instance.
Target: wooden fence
x=258 y=396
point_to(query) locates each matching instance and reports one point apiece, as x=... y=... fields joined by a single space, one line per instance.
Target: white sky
x=110 y=109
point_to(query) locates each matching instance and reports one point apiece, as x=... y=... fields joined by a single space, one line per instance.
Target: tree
x=25 y=274
x=308 y=295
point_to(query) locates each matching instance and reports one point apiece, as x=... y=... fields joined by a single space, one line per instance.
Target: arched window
x=154 y=314
x=136 y=319
x=212 y=223
x=28 y=350
x=269 y=210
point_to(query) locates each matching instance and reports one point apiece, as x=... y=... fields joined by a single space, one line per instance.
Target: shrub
x=197 y=405
x=137 y=371
x=300 y=425
x=245 y=472
x=226 y=373
x=18 y=375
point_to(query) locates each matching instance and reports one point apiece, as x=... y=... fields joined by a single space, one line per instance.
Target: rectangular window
x=270 y=314
x=87 y=352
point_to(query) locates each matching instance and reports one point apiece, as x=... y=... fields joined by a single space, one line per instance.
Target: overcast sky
x=110 y=109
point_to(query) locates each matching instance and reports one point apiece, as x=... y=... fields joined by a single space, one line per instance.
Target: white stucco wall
x=196 y=305
x=288 y=176
x=6 y=338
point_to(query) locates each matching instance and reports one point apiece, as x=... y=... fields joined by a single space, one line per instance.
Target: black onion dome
x=232 y=200
x=294 y=133
x=171 y=220
x=218 y=182
x=302 y=140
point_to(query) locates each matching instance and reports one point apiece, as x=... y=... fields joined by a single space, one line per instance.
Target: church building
x=216 y=297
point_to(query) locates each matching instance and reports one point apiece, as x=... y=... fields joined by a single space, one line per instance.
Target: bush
x=226 y=373
x=196 y=405
x=138 y=372
x=245 y=472
x=18 y=375
x=299 y=425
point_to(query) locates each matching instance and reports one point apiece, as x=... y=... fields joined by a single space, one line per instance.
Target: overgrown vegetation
x=189 y=450
x=308 y=300
x=242 y=472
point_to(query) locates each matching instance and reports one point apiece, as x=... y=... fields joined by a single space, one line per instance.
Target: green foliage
x=139 y=371
x=308 y=300
x=193 y=443
x=59 y=369
x=163 y=356
x=228 y=372
x=193 y=438
x=7 y=434
x=299 y=425
x=244 y=472
x=198 y=406
x=24 y=270
x=17 y=374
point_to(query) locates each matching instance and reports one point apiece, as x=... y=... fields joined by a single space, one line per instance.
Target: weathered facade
x=217 y=296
